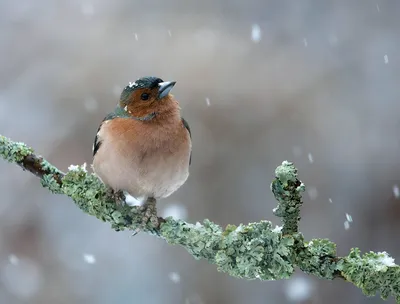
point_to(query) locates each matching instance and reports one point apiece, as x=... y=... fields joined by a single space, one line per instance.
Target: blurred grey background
x=315 y=82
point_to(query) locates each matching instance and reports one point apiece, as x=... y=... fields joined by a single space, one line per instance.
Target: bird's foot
x=118 y=196
x=149 y=211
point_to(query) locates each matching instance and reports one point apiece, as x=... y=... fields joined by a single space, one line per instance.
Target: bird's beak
x=164 y=88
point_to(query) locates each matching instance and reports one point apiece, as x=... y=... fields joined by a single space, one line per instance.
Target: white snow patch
x=77 y=167
x=132 y=84
x=239 y=228
x=277 y=229
x=386 y=259
x=133 y=201
x=256 y=33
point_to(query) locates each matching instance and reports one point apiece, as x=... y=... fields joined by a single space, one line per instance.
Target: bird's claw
x=149 y=211
x=117 y=196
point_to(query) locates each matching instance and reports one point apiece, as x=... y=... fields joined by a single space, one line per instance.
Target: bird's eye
x=144 y=96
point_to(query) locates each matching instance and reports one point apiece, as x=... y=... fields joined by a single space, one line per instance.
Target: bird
x=144 y=146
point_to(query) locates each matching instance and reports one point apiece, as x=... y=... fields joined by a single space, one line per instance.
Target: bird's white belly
x=157 y=174
x=161 y=175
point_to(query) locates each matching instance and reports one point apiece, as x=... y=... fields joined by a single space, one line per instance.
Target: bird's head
x=146 y=96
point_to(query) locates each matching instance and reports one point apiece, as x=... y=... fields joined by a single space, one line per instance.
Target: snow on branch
x=253 y=251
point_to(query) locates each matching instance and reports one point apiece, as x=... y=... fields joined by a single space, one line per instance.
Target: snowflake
x=89 y=258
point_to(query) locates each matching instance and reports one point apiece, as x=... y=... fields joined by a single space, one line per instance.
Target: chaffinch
x=144 y=146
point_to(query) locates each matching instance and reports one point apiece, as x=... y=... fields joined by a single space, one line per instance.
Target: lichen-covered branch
x=253 y=251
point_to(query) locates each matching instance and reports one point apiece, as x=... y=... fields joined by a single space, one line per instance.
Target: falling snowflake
x=89 y=258
x=176 y=211
x=117 y=90
x=349 y=218
x=90 y=104
x=208 y=101
x=297 y=151
x=386 y=58
x=169 y=33
x=256 y=33
x=87 y=9
x=14 y=260
x=396 y=191
x=24 y=281
x=136 y=36
x=312 y=193
x=333 y=40
x=377 y=8
x=298 y=289
x=305 y=42
x=174 y=277
x=330 y=200
x=310 y=158
x=194 y=299
x=346 y=225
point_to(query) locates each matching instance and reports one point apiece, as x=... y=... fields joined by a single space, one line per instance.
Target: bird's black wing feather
x=186 y=125
x=97 y=141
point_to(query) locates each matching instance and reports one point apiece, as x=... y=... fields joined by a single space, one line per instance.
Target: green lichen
x=49 y=167
x=286 y=173
x=48 y=181
x=287 y=190
x=13 y=152
x=372 y=272
x=255 y=251
x=248 y=251
x=317 y=257
x=91 y=196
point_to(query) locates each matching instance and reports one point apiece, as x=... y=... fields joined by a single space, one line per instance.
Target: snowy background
x=315 y=82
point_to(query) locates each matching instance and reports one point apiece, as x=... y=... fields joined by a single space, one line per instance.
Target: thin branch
x=253 y=251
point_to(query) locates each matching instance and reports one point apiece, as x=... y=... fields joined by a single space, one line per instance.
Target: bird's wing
x=97 y=141
x=186 y=125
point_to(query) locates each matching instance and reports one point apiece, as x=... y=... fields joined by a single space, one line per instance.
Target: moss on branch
x=253 y=251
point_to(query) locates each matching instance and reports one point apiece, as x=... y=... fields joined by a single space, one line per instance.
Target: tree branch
x=253 y=251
